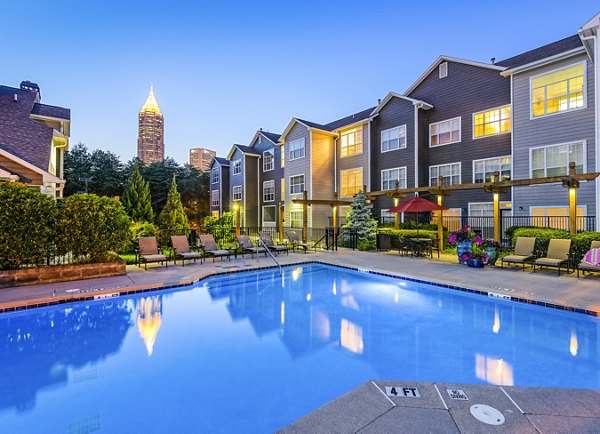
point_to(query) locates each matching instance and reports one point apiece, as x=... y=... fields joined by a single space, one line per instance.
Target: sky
x=223 y=69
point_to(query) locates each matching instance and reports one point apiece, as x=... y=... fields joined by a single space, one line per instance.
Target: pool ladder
x=271 y=255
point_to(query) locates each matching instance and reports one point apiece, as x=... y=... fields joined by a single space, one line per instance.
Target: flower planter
x=492 y=252
x=461 y=248
x=475 y=263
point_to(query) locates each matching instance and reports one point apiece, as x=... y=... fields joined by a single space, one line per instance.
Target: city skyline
x=223 y=71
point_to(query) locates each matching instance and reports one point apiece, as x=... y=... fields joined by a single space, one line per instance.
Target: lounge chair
x=182 y=249
x=524 y=248
x=296 y=242
x=268 y=240
x=209 y=246
x=557 y=256
x=246 y=246
x=590 y=268
x=148 y=252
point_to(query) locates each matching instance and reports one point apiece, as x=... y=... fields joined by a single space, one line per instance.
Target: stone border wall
x=60 y=273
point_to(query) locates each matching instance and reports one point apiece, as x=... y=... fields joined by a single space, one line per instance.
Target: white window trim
x=218 y=198
x=585 y=86
x=445 y=64
x=495 y=134
x=263 y=191
x=584 y=141
x=447 y=120
x=303 y=147
x=502 y=202
x=585 y=209
x=234 y=166
x=493 y=158
x=290 y=184
x=233 y=193
x=396 y=168
x=296 y=211
x=399 y=146
x=272 y=154
x=362 y=147
x=263 y=214
x=218 y=173
x=362 y=172
x=446 y=164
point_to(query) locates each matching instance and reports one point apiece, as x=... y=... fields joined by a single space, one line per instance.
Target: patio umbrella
x=417 y=204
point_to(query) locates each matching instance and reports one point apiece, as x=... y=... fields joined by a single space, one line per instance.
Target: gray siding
x=296 y=167
x=577 y=125
x=251 y=190
x=222 y=186
x=261 y=145
x=236 y=180
x=466 y=90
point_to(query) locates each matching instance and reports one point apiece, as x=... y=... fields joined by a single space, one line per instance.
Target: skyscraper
x=201 y=158
x=151 y=132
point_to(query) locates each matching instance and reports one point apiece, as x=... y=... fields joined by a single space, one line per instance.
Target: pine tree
x=361 y=219
x=172 y=215
x=136 y=198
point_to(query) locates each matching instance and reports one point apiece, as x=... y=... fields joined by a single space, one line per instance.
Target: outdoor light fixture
x=570 y=182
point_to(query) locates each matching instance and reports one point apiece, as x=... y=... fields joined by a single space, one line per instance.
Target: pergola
x=306 y=202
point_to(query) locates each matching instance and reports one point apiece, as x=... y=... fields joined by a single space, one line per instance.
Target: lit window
x=554 y=160
x=237 y=167
x=351 y=142
x=214 y=198
x=449 y=172
x=237 y=192
x=296 y=184
x=558 y=91
x=491 y=122
x=215 y=176
x=268 y=161
x=282 y=188
x=556 y=217
x=394 y=138
x=296 y=148
x=483 y=170
x=351 y=181
x=444 y=132
x=296 y=219
x=269 y=191
x=389 y=177
x=282 y=157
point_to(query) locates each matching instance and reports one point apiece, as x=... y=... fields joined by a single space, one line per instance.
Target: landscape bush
x=137 y=230
x=397 y=235
x=580 y=243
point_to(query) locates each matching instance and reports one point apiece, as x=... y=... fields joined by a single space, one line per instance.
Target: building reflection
x=149 y=320
x=494 y=371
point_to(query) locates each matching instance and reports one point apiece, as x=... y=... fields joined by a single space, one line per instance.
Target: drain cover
x=486 y=414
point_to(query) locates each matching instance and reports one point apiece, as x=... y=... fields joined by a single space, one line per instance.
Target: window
x=556 y=217
x=268 y=161
x=394 y=138
x=296 y=184
x=558 y=91
x=491 y=122
x=214 y=198
x=296 y=149
x=215 y=214
x=296 y=219
x=268 y=215
x=282 y=188
x=215 y=176
x=351 y=181
x=450 y=173
x=237 y=167
x=443 y=70
x=351 y=141
x=237 y=192
x=389 y=177
x=554 y=160
x=387 y=217
x=282 y=157
x=269 y=191
x=445 y=132
x=484 y=169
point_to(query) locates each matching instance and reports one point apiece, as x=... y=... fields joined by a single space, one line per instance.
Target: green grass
x=129 y=258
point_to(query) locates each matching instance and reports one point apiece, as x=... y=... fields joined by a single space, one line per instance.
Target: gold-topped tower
x=151 y=146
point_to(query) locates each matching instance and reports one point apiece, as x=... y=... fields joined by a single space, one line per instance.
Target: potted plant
x=492 y=249
x=476 y=257
x=463 y=239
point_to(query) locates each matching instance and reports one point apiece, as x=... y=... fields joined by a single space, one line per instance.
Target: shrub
x=221 y=229
x=140 y=229
x=361 y=220
x=27 y=225
x=580 y=243
x=172 y=215
x=410 y=233
x=364 y=245
x=91 y=227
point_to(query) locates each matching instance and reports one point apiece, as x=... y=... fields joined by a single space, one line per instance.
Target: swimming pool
x=251 y=352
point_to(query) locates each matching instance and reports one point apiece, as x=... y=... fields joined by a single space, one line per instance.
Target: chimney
x=32 y=87
x=493 y=59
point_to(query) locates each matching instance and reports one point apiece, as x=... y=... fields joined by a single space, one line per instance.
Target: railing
x=271 y=255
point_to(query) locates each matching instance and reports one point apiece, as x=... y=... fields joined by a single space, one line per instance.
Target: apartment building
x=219 y=186
x=202 y=158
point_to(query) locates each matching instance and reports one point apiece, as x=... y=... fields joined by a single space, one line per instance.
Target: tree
x=361 y=219
x=106 y=171
x=136 y=198
x=172 y=215
x=77 y=165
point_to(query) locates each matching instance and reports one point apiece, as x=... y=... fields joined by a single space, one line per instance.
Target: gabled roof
x=350 y=119
x=244 y=150
x=454 y=60
x=51 y=111
x=272 y=137
x=590 y=29
x=46 y=176
x=543 y=52
x=290 y=125
x=311 y=124
x=391 y=95
x=222 y=161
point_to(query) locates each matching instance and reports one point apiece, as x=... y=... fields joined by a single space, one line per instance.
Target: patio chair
x=268 y=240
x=147 y=251
x=209 y=246
x=405 y=246
x=246 y=246
x=557 y=256
x=587 y=267
x=523 y=254
x=182 y=249
x=296 y=241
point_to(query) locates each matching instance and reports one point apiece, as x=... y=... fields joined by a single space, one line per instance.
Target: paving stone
x=429 y=397
x=514 y=423
x=346 y=414
x=558 y=402
x=413 y=420
x=565 y=424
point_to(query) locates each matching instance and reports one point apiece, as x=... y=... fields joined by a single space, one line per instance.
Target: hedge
x=410 y=233
x=580 y=243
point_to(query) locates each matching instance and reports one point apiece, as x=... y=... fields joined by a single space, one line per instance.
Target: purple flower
x=478 y=241
x=452 y=238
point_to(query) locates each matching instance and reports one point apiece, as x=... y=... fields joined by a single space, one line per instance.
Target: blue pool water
x=251 y=352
